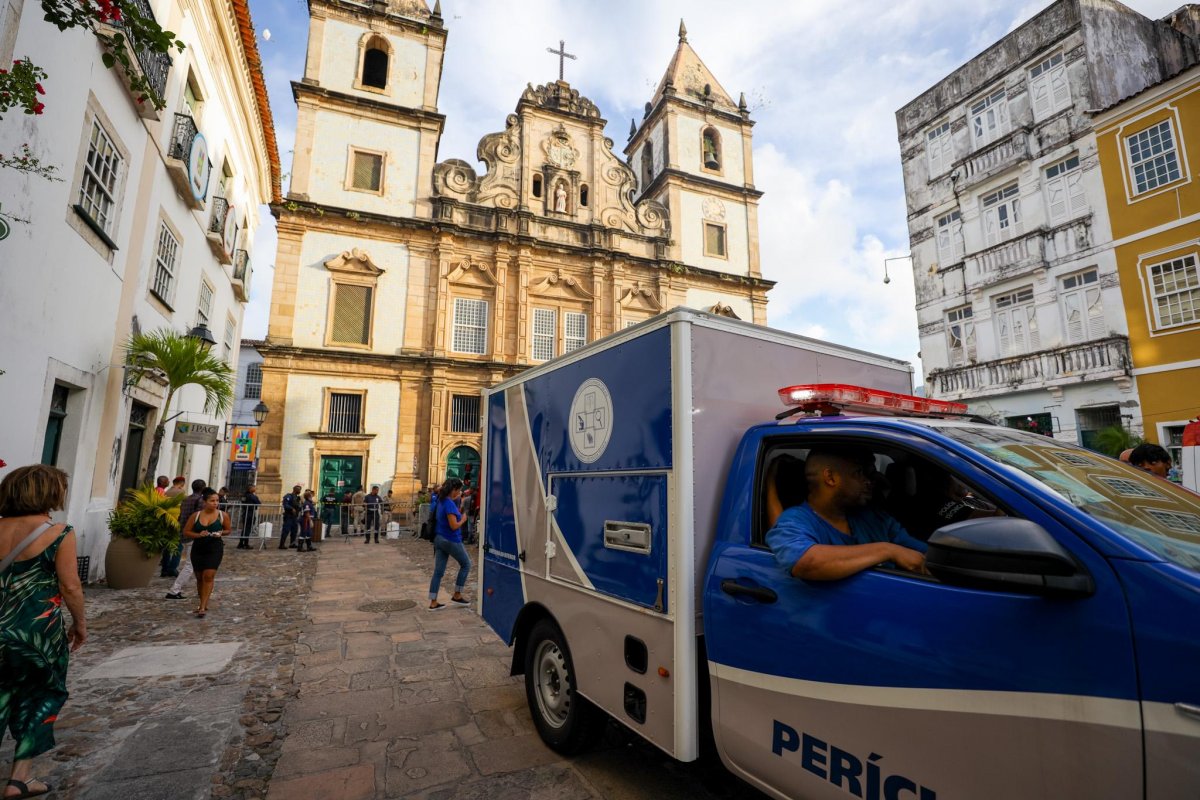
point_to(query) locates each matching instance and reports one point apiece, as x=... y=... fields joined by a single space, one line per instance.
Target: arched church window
x=583 y=195
x=375 y=65
x=537 y=185
x=711 y=148
x=647 y=165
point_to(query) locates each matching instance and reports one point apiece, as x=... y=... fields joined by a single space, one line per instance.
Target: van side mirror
x=1006 y=554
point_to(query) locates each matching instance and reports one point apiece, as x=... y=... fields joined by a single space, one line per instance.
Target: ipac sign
x=196 y=433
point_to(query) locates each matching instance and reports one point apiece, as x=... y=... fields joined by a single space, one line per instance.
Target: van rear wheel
x=565 y=720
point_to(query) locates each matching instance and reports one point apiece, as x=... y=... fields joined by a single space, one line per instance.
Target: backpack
x=429 y=526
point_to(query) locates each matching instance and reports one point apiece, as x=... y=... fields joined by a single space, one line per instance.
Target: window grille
x=545 y=323
x=254 y=378
x=464 y=413
x=470 y=326
x=345 y=413
x=165 y=257
x=1152 y=157
x=367 y=172
x=714 y=240
x=97 y=192
x=575 y=333
x=352 y=314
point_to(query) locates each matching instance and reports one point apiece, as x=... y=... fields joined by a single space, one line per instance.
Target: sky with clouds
x=823 y=79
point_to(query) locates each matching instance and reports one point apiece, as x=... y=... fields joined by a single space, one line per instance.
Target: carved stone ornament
x=559 y=284
x=501 y=152
x=723 y=310
x=638 y=297
x=559 y=150
x=354 y=261
x=467 y=274
x=561 y=97
x=714 y=209
x=413 y=9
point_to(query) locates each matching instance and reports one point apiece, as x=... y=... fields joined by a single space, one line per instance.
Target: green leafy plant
x=28 y=161
x=1115 y=438
x=123 y=30
x=179 y=361
x=149 y=518
x=20 y=87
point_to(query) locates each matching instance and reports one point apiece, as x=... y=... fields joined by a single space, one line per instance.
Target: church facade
x=404 y=286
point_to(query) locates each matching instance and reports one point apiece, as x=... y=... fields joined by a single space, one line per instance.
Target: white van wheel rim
x=550 y=684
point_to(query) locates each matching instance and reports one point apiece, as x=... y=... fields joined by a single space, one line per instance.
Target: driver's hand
x=910 y=560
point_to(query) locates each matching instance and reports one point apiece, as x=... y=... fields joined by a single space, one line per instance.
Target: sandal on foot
x=25 y=791
x=436 y=607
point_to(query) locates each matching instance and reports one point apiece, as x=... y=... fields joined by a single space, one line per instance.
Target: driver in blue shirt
x=835 y=533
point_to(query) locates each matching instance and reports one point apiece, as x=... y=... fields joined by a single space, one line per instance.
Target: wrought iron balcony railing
x=182 y=135
x=216 y=223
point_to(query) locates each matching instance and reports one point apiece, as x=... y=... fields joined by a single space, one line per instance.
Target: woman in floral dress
x=35 y=643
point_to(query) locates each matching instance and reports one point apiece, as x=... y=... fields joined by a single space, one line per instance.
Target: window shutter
x=1004 y=332
x=1095 y=314
x=1039 y=90
x=1033 y=337
x=1076 y=200
x=969 y=331
x=368 y=171
x=352 y=314
x=1060 y=89
x=1073 y=315
x=944 y=244
x=991 y=226
x=1056 y=198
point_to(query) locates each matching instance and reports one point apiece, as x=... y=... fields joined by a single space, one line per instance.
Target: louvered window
x=351 y=314
x=367 y=171
x=1064 y=190
x=989 y=118
x=1001 y=214
x=1016 y=322
x=204 y=307
x=939 y=145
x=1048 y=87
x=960 y=329
x=545 y=325
x=345 y=413
x=949 y=238
x=470 y=326
x=575 y=333
x=1083 y=309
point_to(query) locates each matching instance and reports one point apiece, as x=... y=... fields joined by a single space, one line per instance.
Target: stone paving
x=322 y=676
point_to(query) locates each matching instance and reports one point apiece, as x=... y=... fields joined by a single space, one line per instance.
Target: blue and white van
x=1054 y=651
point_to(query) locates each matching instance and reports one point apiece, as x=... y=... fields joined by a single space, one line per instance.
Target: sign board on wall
x=196 y=433
x=199 y=168
x=244 y=447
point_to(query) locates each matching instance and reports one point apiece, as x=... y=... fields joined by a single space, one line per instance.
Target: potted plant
x=142 y=526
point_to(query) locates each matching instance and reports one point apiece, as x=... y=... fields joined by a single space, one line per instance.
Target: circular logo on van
x=591 y=420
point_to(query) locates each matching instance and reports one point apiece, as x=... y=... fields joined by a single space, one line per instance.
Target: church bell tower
x=692 y=153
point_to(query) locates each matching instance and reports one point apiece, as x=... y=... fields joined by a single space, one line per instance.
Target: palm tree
x=181 y=361
x=1114 y=439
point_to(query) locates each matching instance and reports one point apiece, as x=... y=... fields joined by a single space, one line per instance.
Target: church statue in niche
x=560 y=197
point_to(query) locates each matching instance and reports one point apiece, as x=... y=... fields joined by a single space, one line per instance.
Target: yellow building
x=1147 y=144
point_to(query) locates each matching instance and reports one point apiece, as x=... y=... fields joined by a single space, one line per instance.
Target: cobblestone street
x=322 y=676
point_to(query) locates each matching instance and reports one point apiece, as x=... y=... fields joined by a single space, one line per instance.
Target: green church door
x=339 y=473
x=463 y=462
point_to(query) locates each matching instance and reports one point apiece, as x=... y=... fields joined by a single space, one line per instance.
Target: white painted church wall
x=340 y=64
x=315 y=286
x=331 y=164
x=691 y=236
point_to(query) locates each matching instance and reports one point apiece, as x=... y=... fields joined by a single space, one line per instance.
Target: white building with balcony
x=150 y=226
x=1018 y=300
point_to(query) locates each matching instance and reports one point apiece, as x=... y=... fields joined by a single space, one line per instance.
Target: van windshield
x=1155 y=513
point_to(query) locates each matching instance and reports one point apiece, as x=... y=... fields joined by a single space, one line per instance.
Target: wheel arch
x=529 y=616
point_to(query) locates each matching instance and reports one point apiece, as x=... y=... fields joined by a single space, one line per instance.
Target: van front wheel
x=565 y=720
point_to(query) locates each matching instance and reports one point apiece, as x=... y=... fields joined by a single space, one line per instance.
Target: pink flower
x=37 y=109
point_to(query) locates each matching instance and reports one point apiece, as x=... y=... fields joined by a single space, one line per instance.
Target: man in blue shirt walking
x=835 y=534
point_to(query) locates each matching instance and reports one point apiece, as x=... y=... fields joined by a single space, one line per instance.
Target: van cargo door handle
x=760 y=593
x=1189 y=710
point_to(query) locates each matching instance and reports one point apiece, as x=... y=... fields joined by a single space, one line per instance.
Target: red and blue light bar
x=838 y=397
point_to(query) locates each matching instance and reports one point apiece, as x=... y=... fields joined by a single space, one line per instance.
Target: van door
x=887 y=685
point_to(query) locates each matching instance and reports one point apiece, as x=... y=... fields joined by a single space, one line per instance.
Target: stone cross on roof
x=562 y=53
